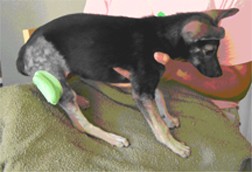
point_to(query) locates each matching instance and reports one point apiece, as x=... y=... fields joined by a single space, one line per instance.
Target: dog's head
x=202 y=37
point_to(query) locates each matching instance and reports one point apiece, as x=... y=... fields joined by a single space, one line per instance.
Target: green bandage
x=161 y=14
x=48 y=85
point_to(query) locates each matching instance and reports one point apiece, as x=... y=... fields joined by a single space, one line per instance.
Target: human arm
x=232 y=85
x=234 y=56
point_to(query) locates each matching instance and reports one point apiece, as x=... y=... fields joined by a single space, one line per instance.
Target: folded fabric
x=36 y=136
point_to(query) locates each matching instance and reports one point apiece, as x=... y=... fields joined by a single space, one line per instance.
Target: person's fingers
x=161 y=57
x=122 y=72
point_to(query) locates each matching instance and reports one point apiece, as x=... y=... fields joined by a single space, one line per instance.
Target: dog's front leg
x=148 y=107
x=160 y=101
x=69 y=103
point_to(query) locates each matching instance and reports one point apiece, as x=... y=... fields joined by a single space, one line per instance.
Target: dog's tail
x=20 y=63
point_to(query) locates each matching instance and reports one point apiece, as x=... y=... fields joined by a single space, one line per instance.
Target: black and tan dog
x=92 y=45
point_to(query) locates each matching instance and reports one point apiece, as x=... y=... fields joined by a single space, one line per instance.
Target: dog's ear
x=219 y=14
x=196 y=30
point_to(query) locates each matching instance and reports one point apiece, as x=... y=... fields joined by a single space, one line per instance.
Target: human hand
x=162 y=58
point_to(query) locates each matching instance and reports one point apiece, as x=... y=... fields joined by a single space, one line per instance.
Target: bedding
x=37 y=136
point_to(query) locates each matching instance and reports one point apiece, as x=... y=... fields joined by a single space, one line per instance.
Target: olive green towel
x=36 y=136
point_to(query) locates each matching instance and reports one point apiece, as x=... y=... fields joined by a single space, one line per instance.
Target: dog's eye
x=209 y=49
x=210 y=52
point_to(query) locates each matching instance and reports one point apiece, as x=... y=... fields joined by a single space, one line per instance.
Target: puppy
x=92 y=45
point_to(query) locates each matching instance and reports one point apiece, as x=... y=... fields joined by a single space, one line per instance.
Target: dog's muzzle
x=210 y=71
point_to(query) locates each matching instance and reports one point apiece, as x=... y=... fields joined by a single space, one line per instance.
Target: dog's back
x=91 y=45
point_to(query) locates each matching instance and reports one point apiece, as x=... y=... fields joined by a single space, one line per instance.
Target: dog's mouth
x=211 y=73
x=207 y=63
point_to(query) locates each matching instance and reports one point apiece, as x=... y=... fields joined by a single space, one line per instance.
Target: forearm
x=230 y=86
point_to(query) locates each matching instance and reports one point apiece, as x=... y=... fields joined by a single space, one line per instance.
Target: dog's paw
x=182 y=150
x=175 y=121
x=172 y=122
x=118 y=141
x=179 y=148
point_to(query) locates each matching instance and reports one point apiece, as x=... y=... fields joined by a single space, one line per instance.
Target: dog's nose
x=218 y=73
x=215 y=74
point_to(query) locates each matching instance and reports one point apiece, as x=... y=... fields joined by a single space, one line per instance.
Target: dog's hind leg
x=69 y=103
x=160 y=101
x=42 y=55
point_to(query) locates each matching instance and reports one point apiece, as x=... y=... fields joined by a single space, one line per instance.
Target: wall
x=17 y=15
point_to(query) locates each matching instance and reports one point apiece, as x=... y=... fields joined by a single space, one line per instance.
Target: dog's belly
x=100 y=74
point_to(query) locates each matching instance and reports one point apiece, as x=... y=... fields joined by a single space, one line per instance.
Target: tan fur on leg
x=160 y=129
x=83 y=125
x=160 y=101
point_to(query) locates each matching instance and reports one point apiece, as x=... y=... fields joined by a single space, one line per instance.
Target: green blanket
x=36 y=136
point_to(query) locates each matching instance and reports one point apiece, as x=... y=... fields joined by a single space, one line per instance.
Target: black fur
x=92 y=45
